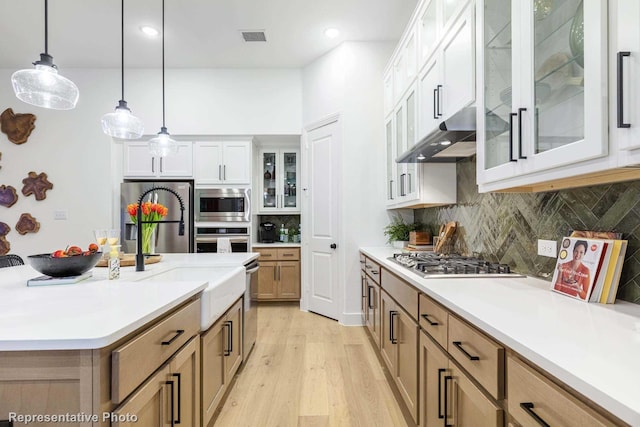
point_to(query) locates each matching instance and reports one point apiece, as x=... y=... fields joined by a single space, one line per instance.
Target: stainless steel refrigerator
x=168 y=239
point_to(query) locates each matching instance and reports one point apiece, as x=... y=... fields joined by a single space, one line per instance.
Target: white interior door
x=322 y=219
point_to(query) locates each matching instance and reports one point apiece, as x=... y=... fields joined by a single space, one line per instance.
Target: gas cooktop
x=431 y=265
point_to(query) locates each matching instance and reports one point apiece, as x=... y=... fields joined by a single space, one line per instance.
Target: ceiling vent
x=254 y=36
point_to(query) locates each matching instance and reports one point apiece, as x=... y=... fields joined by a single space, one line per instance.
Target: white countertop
x=95 y=312
x=593 y=348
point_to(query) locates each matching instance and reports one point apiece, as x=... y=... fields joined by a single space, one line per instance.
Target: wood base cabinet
x=279 y=274
x=448 y=396
x=372 y=309
x=221 y=358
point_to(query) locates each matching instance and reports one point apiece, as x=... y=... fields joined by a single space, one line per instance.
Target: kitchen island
x=591 y=348
x=83 y=348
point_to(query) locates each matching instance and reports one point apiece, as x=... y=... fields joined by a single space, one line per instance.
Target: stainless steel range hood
x=455 y=138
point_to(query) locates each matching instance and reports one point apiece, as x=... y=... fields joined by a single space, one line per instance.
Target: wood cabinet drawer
x=362 y=261
x=134 y=361
x=405 y=294
x=433 y=319
x=482 y=357
x=268 y=254
x=373 y=269
x=532 y=395
x=289 y=254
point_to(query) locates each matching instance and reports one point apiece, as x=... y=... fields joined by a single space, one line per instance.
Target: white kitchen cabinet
x=139 y=163
x=544 y=104
x=279 y=175
x=222 y=162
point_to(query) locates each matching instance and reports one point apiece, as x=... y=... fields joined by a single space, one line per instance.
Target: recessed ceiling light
x=421 y=156
x=445 y=142
x=150 y=31
x=332 y=33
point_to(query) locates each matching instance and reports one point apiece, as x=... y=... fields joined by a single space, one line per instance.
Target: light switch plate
x=547 y=248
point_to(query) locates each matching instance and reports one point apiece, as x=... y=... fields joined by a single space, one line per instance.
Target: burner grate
x=434 y=265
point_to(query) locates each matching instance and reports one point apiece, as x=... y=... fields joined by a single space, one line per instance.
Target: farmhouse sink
x=226 y=284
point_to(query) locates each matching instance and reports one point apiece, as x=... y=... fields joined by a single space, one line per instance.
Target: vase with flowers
x=151 y=211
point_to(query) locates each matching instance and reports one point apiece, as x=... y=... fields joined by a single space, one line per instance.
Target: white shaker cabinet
x=139 y=163
x=278 y=178
x=542 y=102
x=222 y=162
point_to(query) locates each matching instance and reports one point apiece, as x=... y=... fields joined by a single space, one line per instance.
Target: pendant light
x=163 y=145
x=121 y=123
x=42 y=86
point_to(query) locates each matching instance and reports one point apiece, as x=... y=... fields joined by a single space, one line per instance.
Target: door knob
x=333 y=246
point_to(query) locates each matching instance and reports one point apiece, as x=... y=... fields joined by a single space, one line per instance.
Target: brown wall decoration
x=5 y=246
x=18 y=127
x=36 y=184
x=27 y=224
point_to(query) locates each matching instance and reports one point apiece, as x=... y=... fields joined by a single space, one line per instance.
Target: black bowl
x=63 y=267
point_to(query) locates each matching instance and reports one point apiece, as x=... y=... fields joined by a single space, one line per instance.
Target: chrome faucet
x=139 y=254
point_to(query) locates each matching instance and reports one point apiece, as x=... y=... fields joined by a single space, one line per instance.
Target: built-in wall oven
x=223 y=204
x=208 y=234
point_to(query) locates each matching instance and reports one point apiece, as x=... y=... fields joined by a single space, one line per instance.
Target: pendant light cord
x=46 y=27
x=163 y=124
x=122 y=48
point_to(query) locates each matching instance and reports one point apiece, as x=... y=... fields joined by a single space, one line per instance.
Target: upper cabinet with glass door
x=543 y=97
x=279 y=179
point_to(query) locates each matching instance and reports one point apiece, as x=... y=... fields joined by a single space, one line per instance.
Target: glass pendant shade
x=163 y=145
x=122 y=124
x=42 y=86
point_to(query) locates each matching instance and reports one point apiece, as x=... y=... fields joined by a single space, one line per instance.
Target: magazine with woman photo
x=577 y=267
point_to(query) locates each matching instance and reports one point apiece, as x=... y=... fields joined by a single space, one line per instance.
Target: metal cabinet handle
x=511 y=116
x=392 y=338
x=374 y=272
x=426 y=317
x=391 y=189
x=409 y=182
x=621 y=123
x=446 y=393
x=227 y=351
x=369 y=288
x=520 y=110
x=435 y=108
x=179 y=396
x=153 y=167
x=439 y=88
x=440 y=372
x=173 y=338
x=170 y=383
x=528 y=408
x=402 y=189
x=459 y=345
x=224 y=172
x=362 y=262
x=161 y=165
x=219 y=172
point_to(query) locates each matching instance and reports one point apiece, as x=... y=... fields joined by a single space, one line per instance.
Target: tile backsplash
x=505 y=227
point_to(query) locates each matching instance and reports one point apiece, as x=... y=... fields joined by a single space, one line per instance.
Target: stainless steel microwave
x=223 y=204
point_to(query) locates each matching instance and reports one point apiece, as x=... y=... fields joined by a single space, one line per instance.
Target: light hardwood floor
x=307 y=370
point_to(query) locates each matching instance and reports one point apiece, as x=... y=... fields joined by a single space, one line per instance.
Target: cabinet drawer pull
x=528 y=408
x=439 y=87
x=179 y=396
x=393 y=339
x=153 y=169
x=520 y=110
x=219 y=172
x=621 y=123
x=161 y=165
x=440 y=372
x=446 y=392
x=173 y=338
x=228 y=350
x=287 y=254
x=390 y=189
x=170 y=383
x=426 y=317
x=374 y=272
x=369 y=288
x=459 y=345
x=435 y=108
x=362 y=262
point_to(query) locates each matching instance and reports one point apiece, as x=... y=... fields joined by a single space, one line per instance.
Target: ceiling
x=198 y=33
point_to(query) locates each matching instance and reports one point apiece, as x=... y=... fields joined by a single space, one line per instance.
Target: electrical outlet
x=60 y=215
x=547 y=248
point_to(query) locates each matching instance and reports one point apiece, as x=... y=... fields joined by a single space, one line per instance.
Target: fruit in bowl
x=72 y=261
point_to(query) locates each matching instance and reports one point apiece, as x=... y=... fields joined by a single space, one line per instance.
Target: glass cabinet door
x=289 y=180
x=497 y=81
x=390 y=161
x=269 y=199
x=400 y=148
x=411 y=168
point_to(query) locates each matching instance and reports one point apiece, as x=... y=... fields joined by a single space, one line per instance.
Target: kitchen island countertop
x=591 y=347
x=95 y=312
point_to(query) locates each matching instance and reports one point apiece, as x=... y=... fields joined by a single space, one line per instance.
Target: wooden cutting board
x=446 y=235
x=128 y=260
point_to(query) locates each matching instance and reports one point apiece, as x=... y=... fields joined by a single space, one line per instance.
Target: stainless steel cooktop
x=431 y=265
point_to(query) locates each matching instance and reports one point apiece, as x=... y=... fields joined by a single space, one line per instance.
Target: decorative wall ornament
x=27 y=224
x=18 y=127
x=36 y=184
x=5 y=246
x=8 y=195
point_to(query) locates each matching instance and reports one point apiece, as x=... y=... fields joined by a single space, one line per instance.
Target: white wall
x=81 y=161
x=348 y=80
